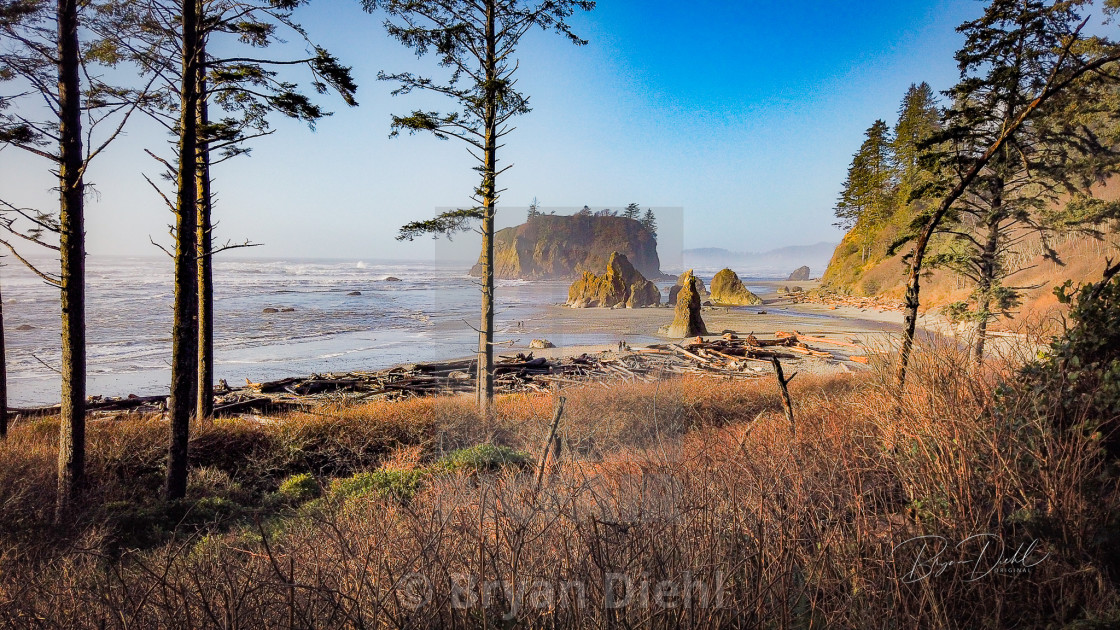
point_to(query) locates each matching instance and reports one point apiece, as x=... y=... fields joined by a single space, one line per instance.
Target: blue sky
x=744 y=114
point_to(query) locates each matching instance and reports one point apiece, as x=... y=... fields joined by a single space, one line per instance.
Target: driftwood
x=729 y=356
x=95 y=404
x=835 y=300
x=548 y=442
x=824 y=340
x=783 y=384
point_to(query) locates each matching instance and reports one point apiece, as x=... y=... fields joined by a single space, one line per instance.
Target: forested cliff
x=560 y=247
x=1039 y=218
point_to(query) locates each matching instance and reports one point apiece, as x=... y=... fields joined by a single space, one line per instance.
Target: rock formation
x=563 y=247
x=801 y=273
x=686 y=318
x=541 y=344
x=621 y=285
x=728 y=290
x=704 y=295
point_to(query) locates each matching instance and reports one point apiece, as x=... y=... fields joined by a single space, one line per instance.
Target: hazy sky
x=743 y=113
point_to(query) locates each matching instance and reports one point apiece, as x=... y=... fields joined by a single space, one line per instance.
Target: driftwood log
x=730 y=356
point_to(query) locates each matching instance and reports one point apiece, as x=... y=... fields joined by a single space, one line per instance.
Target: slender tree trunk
x=988 y=270
x=184 y=340
x=3 y=376
x=489 y=194
x=72 y=257
x=205 y=407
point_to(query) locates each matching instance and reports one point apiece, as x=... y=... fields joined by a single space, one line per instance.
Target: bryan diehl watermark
x=617 y=591
x=974 y=558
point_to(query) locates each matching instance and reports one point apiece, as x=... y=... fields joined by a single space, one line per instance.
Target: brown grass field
x=684 y=503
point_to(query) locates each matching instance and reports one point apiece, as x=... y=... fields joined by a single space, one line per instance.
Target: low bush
x=401 y=485
x=483 y=458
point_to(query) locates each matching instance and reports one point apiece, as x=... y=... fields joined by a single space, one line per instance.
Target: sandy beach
x=871 y=329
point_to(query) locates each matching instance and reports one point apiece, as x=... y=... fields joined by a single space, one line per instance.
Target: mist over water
x=426 y=316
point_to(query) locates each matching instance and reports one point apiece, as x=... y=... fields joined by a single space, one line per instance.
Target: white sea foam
x=129 y=314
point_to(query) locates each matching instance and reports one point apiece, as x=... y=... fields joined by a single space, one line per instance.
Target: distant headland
x=557 y=247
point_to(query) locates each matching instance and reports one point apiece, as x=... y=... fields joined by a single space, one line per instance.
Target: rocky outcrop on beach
x=799 y=274
x=728 y=290
x=704 y=295
x=620 y=286
x=541 y=344
x=563 y=247
x=686 y=318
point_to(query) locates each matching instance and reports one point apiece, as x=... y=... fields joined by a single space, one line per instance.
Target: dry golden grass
x=694 y=483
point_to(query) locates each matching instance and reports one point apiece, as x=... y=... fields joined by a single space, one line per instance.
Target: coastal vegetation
x=1024 y=129
x=428 y=513
x=176 y=82
x=939 y=483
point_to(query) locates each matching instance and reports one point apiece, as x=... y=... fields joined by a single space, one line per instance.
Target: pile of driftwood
x=835 y=300
x=733 y=355
x=730 y=356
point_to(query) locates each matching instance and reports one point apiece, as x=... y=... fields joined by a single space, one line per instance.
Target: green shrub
x=387 y=483
x=1075 y=385
x=483 y=458
x=299 y=488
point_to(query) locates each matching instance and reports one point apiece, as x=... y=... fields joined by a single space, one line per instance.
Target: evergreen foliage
x=649 y=222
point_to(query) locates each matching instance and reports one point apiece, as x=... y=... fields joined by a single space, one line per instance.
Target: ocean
x=431 y=314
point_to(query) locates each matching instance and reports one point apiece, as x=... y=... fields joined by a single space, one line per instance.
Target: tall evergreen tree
x=172 y=40
x=1065 y=57
x=632 y=211
x=1012 y=193
x=649 y=222
x=867 y=196
x=43 y=53
x=918 y=121
x=3 y=374
x=476 y=40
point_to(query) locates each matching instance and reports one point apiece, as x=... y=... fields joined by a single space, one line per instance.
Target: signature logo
x=974 y=558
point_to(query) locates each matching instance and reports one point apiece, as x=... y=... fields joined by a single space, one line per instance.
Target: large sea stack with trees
x=559 y=247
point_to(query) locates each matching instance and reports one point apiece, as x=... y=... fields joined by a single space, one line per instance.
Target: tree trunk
x=3 y=376
x=184 y=340
x=72 y=258
x=205 y=407
x=489 y=194
x=988 y=270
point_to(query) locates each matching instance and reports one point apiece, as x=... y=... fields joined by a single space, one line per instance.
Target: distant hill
x=874 y=273
x=776 y=263
x=563 y=247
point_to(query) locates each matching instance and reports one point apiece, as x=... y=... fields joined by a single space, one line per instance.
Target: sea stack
x=686 y=319
x=620 y=286
x=728 y=290
x=554 y=247
x=801 y=273
x=680 y=284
